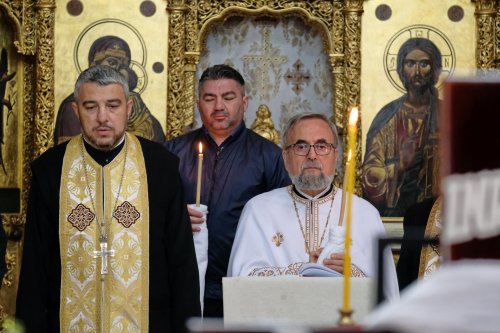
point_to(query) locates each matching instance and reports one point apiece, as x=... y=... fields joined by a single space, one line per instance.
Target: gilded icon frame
x=33 y=23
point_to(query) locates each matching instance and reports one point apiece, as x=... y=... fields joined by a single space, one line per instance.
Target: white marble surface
x=293 y=300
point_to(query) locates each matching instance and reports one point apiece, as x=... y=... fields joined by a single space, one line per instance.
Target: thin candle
x=198 y=181
x=344 y=189
x=352 y=135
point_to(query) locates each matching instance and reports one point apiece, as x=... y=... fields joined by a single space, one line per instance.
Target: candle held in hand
x=198 y=181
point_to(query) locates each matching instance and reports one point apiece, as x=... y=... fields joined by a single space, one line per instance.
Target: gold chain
x=306 y=242
x=101 y=226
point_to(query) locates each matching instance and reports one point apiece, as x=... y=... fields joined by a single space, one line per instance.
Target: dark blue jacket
x=243 y=166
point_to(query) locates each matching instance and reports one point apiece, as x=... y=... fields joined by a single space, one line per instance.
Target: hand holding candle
x=198 y=181
x=351 y=167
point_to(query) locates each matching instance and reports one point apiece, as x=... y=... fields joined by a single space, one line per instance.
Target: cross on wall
x=297 y=77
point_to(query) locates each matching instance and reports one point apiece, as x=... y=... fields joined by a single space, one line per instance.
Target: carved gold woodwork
x=487 y=24
x=44 y=118
x=352 y=65
x=195 y=19
x=264 y=126
x=189 y=23
x=22 y=14
x=26 y=21
x=339 y=22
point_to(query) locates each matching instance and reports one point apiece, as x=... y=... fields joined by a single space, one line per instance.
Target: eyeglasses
x=302 y=149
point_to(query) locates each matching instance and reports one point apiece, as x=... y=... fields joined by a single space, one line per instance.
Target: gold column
x=192 y=59
x=44 y=117
x=337 y=63
x=497 y=34
x=176 y=61
x=21 y=14
x=337 y=60
x=352 y=48
x=485 y=34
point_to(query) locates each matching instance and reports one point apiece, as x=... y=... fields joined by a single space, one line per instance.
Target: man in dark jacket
x=238 y=164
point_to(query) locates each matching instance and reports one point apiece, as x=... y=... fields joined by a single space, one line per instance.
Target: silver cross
x=104 y=253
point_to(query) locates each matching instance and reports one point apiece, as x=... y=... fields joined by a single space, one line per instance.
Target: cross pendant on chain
x=104 y=253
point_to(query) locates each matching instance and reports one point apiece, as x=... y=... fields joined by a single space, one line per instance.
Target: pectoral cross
x=104 y=253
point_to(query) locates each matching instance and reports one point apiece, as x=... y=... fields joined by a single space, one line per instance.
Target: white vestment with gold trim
x=269 y=240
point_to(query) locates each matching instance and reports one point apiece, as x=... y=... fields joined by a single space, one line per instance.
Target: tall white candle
x=198 y=181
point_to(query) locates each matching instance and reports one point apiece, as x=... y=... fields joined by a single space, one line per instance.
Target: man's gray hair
x=303 y=116
x=102 y=76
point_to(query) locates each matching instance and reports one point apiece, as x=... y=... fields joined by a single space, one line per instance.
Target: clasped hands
x=335 y=261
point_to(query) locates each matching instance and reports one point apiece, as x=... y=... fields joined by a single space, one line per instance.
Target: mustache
x=312 y=164
x=105 y=127
x=218 y=113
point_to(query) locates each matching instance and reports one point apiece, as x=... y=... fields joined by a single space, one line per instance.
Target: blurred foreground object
x=463 y=296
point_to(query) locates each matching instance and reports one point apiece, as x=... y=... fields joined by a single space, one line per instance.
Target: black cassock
x=414 y=224
x=173 y=271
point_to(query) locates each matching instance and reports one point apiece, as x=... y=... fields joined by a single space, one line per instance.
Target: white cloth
x=336 y=242
x=462 y=296
x=201 y=247
x=269 y=240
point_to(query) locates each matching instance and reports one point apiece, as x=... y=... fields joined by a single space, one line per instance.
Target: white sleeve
x=252 y=252
x=248 y=246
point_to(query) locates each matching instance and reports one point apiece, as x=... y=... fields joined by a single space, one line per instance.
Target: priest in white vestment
x=282 y=229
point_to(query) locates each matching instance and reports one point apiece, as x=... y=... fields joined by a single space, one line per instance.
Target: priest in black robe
x=108 y=240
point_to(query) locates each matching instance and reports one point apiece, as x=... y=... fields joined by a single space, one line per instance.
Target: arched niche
x=191 y=21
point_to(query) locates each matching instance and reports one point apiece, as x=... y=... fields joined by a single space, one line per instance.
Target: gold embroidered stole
x=430 y=257
x=314 y=237
x=126 y=286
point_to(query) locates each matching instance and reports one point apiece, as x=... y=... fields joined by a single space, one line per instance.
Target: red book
x=470 y=143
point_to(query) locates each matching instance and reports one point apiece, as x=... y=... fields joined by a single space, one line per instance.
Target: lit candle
x=198 y=182
x=352 y=135
x=344 y=189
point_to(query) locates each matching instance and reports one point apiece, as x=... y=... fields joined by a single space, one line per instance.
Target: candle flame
x=353 y=116
x=200 y=148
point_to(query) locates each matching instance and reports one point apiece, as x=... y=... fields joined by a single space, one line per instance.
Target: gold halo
x=118 y=28
x=442 y=42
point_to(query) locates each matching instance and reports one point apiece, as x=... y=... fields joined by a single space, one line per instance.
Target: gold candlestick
x=345 y=318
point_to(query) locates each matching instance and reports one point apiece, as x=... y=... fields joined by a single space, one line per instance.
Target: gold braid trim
x=292 y=269
x=356 y=272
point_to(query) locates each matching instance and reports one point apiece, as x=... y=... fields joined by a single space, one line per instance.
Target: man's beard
x=309 y=182
x=426 y=83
